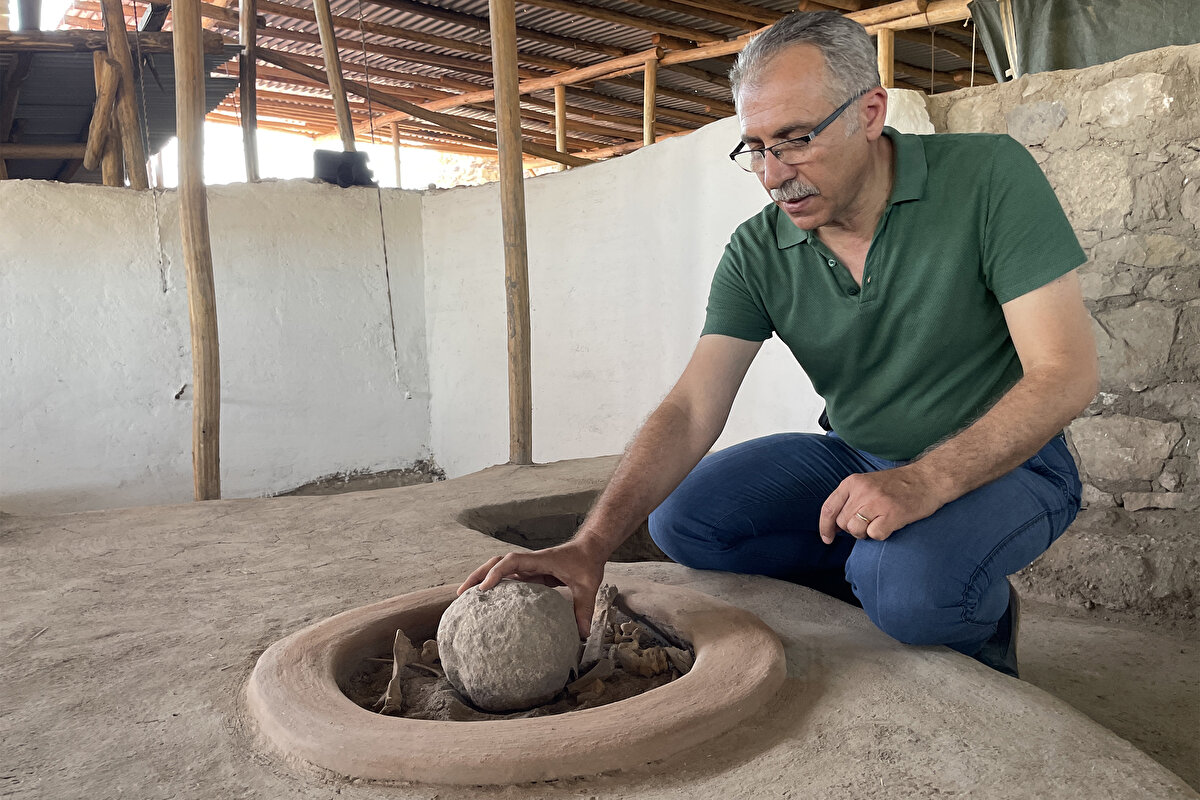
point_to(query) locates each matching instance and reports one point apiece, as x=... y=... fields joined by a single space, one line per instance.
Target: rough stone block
x=1136 y=501
x=1098 y=281
x=1031 y=123
x=511 y=647
x=1124 y=101
x=1147 y=250
x=1189 y=202
x=1186 y=351
x=1094 y=498
x=1177 y=399
x=1122 y=448
x=975 y=114
x=1134 y=343
x=1179 y=283
x=1103 y=200
x=1154 y=194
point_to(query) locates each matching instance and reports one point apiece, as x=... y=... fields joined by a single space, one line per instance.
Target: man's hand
x=877 y=504
x=573 y=564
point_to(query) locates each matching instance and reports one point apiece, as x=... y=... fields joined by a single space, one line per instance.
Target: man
x=927 y=287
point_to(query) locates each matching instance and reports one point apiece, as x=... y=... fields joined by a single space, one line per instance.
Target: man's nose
x=775 y=173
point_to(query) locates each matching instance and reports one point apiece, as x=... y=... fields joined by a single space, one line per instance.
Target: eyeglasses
x=789 y=151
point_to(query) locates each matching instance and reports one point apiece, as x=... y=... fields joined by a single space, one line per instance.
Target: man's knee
x=678 y=533
x=909 y=604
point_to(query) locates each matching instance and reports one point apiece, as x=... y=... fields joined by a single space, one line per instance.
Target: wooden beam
x=763 y=16
x=412 y=110
x=248 y=85
x=333 y=71
x=628 y=20
x=112 y=171
x=102 y=113
x=951 y=46
x=625 y=123
x=28 y=152
x=629 y=105
x=197 y=251
x=560 y=118
x=718 y=17
x=481 y=24
x=563 y=78
x=959 y=77
x=127 y=110
x=937 y=12
x=705 y=51
x=650 y=85
x=886 y=13
x=512 y=211
x=87 y=41
x=886 y=53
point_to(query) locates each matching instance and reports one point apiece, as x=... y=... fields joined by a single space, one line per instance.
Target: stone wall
x=1121 y=144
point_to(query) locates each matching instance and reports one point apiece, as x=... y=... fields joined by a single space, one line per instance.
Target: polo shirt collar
x=909 y=184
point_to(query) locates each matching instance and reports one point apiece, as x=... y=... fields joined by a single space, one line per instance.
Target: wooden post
x=127 y=111
x=886 y=51
x=512 y=209
x=333 y=68
x=649 y=90
x=248 y=80
x=102 y=114
x=112 y=172
x=197 y=251
x=396 y=150
x=560 y=118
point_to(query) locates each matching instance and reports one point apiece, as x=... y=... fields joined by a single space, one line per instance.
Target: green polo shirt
x=921 y=349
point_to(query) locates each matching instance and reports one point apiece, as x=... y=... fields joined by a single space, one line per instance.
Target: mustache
x=794 y=189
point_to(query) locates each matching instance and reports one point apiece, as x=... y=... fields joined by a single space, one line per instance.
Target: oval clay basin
x=295 y=697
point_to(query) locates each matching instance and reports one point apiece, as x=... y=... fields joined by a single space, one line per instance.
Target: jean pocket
x=1064 y=477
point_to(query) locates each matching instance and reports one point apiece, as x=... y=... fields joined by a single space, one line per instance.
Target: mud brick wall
x=1120 y=143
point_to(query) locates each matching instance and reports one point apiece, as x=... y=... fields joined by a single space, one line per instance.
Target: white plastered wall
x=95 y=344
x=325 y=367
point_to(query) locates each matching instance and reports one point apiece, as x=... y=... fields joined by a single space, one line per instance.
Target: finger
x=830 y=509
x=585 y=607
x=479 y=574
x=880 y=528
x=507 y=567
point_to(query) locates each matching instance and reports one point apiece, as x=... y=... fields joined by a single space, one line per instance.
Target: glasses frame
x=806 y=138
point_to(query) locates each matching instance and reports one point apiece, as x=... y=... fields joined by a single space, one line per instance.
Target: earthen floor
x=128 y=636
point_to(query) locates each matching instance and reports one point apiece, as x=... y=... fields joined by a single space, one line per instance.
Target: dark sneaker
x=1000 y=651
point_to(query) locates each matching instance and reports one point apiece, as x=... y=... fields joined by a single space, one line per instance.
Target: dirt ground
x=128 y=636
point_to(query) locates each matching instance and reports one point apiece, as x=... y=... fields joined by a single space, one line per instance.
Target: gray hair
x=849 y=54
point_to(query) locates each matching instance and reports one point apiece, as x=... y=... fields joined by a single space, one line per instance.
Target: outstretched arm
x=1052 y=334
x=671 y=442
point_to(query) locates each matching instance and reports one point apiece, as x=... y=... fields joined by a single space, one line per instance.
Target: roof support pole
x=333 y=68
x=512 y=210
x=248 y=81
x=112 y=171
x=560 y=118
x=396 y=150
x=127 y=110
x=886 y=52
x=649 y=90
x=197 y=251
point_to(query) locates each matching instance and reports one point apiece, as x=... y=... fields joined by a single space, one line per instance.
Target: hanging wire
x=144 y=133
x=972 y=56
x=931 y=55
x=387 y=272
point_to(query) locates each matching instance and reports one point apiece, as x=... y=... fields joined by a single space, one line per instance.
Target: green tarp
x=1069 y=34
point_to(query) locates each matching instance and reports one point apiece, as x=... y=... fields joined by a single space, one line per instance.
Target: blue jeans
x=753 y=508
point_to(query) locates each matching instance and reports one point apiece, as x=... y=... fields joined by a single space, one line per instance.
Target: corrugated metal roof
x=549 y=41
x=56 y=99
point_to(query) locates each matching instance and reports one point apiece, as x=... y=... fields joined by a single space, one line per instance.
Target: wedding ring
x=864 y=519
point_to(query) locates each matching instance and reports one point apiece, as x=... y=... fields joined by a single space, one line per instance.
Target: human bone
x=510 y=647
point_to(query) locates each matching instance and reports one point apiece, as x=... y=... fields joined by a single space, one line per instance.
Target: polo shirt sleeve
x=1028 y=241
x=733 y=309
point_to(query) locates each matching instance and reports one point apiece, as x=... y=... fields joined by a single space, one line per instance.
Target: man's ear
x=873 y=111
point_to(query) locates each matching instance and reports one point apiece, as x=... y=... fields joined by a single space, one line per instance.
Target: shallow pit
x=295 y=695
x=547 y=521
